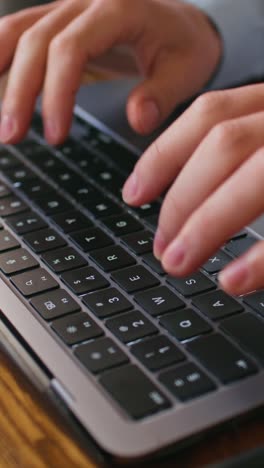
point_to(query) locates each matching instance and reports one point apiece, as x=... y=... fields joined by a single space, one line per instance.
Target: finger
x=225 y=148
x=28 y=70
x=164 y=159
x=245 y=274
x=105 y=24
x=14 y=25
x=237 y=202
x=151 y=102
x=169 y=69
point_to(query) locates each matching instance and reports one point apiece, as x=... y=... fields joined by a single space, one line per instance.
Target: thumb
x=170 y=83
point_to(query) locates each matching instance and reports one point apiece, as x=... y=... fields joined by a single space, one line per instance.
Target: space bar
x=248 y=331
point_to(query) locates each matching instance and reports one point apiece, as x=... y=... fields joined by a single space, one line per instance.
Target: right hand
x=175 y=46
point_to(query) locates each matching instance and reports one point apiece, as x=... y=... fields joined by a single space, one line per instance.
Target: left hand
x=212 y=158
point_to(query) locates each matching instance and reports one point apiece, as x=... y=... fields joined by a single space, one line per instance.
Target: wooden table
x=34 y=435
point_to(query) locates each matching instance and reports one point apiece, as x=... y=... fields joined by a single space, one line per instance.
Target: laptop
x=144 y=362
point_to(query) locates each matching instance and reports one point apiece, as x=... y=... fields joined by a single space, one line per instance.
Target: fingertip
x=144 y=115
x=11 y=131
x=160 y=244
x=56 y=128
x=235 y=279
x=130 y=192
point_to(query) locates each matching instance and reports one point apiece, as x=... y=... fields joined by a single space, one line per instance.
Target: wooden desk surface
x=33 y=435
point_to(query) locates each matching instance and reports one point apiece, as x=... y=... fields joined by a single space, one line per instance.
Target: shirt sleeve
x=241 y=26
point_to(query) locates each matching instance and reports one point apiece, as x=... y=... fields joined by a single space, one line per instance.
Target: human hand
x=175 y=46
x=212 y=158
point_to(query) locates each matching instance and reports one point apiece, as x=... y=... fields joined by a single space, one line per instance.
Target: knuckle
x=212 y=102
x=229 y=134
x=27 y=39
x=63 y=44
x=8 y=24
x=118 y=8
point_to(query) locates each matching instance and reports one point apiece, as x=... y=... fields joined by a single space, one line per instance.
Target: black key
x=82 y=191
x=53 y=204
x=7 y=160
x=17 y=261
x=157 y=352
x=153 y=221
x=11 y=205
x=153 y=263
x=131 y=326
x=111 y=180
x=91 y=239
x=217 y=262
x=239 y=246
x=122 y=224
x=248 y=331
x=20 y=174
x=4 y=191
x=139 y=242
x=44 y=240
x=107 y=302
x=71 y=221
x=67 y=178
x=101 y=207
x=76 y=328
x=185 y=324
x=30 y=148
x=217 y=305
x=221 y=358
x=35 y=188
x=64 y=259
x=54 y=304
x=26 y=222
x=34 y=282
x=7 y=241
x=71 y=149
x=91 y=166
x=255 y=301
x=112 y=258
x=78 y=154
x=125 y=382
x=187 y=381
x=84 y=280
x=100 y=355
x=120 y=155
x=134 y=279
x=50 y=164
x=191 y=285
x=158 y=301
x=241 y=233
x=149 y=209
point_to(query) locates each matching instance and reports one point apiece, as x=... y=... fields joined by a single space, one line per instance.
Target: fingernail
x=130 y=189
x=175 y=255
x=159 y=244
x=51 y=130
x=150 y=115
x=7 y=128
x=235 y=275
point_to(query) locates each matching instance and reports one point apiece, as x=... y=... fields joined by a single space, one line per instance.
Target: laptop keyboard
x=82 y=261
